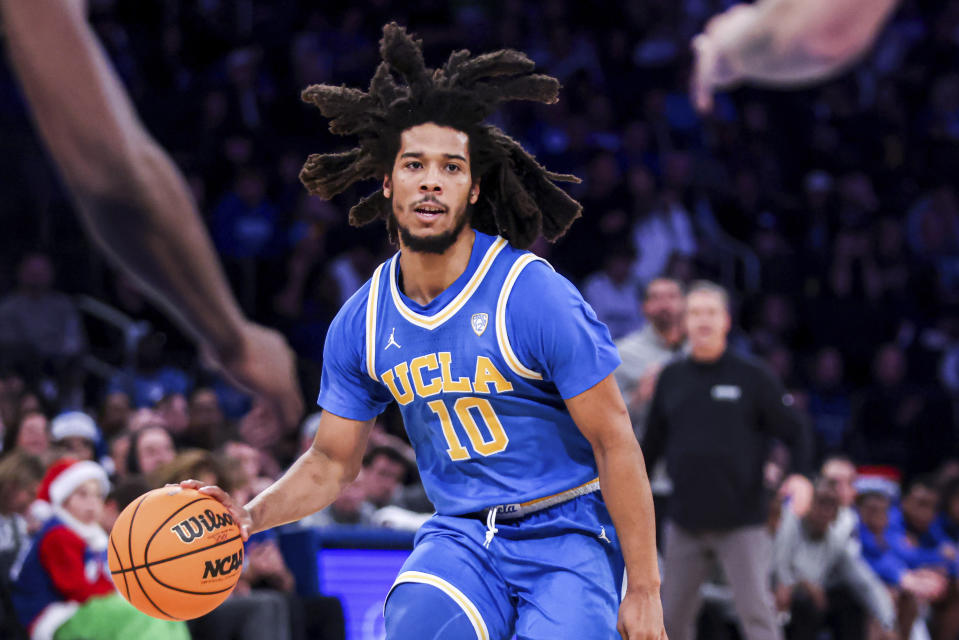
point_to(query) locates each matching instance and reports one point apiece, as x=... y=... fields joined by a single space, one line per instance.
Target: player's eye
x=413 y=164
x=452 y=168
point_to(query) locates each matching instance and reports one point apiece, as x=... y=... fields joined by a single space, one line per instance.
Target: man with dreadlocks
x=502 y=372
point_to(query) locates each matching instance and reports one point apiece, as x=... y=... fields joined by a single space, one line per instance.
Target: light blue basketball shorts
x=556 y=573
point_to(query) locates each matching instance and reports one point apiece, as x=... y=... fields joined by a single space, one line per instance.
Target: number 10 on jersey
x=464 y=409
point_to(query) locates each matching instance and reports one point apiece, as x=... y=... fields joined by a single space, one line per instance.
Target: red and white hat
x=66 y=475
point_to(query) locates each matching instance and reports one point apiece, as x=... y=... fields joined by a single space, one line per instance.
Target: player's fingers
x=216 y=492
x=700 y=84
x=188 y=484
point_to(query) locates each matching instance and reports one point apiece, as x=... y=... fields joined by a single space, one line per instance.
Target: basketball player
x=501 y=370
x=132 y=199
x=783 y=43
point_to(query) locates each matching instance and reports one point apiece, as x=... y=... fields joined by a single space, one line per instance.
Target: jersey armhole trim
x=371 y=301
x=470 y=609
x=502 y=337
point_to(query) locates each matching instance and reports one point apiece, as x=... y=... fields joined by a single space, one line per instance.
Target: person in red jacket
x=63 y=589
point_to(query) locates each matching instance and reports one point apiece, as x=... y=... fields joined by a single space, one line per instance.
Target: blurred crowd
x=831 y=213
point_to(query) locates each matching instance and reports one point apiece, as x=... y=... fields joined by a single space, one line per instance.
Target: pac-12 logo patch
x=479 y=322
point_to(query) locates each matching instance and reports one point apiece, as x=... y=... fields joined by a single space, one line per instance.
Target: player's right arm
x=351 y=400
x=131 y=197
x=310 y=484
x=783 y=42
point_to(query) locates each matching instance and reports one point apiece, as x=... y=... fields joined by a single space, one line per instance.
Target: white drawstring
x=491 y=529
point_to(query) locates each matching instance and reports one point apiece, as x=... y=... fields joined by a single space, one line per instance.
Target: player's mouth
x=429 y=211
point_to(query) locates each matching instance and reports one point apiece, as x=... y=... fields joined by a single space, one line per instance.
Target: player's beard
x=435 y=243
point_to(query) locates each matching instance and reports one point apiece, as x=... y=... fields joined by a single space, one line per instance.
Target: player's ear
x=387 y=186
x=474 y=192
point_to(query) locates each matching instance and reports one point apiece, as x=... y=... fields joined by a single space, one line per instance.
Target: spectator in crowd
x=350 y=507
x=115 y=412
x=251 y=462
x=712 y=416
x=381 y=479
x=384 y=471
x=39 y=322
x=63 y=587
x=895 y=423
x=207 y=426
x=197 y=464
x=912 y=589
x=11 y=389
x=150 y=448
x=612 y=292
x=151 y=378
x=829 y=405
x=840 y=473
x=122 y=493
x=916 y=542
x=818 y=571
x=75 y=435
x=260 y=429
x=174 y=411
x=118 y=449
x=646 y=351
x=20 y=474
x=31 y=434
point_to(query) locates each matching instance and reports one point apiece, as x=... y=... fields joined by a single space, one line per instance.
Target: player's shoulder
x=528 y=271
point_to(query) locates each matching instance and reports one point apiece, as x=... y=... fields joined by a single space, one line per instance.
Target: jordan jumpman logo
x=392 y=342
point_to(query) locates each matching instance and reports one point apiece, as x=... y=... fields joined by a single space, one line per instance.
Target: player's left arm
x=601 y=416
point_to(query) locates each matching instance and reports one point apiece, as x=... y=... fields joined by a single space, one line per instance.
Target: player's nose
x=431 y=182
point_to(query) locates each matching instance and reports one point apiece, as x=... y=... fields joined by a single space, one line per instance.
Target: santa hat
x=878 y=479
x=74 y=424
x=66 y=475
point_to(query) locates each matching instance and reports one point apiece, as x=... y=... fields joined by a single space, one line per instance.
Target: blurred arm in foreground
x=782 y=43
x=133 y=200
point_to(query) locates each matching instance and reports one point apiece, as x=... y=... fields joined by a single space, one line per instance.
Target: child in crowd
x=63 y=589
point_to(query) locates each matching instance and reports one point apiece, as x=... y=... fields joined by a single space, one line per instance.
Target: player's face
x=86 y=502
x=431 y=187
x=707 y=321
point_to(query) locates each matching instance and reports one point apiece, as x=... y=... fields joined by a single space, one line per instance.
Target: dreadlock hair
x=518 y=199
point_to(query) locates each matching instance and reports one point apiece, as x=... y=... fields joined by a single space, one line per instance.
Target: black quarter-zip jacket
x=714 y=422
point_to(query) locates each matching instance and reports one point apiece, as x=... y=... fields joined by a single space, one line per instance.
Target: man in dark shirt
x=713 y=417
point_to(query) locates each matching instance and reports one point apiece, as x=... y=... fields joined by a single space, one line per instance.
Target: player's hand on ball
x=641 y=616
x=240 y=514
x=265 y=365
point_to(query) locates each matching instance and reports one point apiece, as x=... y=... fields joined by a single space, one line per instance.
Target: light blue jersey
x=480 y=375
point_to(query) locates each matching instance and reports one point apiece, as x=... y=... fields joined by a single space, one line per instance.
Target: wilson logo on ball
x=196 y=527
x=223 y=566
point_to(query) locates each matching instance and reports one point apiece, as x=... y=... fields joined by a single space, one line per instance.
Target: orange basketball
x=175 y=553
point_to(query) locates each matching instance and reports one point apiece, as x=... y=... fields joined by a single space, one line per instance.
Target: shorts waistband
x=519 y=510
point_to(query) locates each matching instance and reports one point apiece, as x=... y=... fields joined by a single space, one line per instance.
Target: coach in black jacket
x=713 y=416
